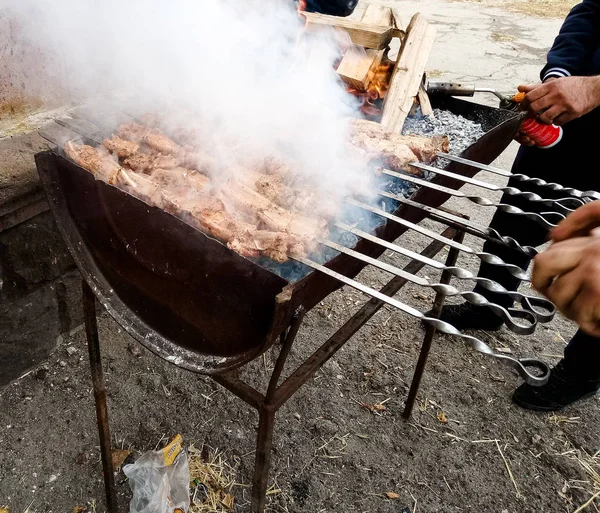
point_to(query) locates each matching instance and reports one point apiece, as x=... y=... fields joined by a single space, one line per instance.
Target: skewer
x=524 y=178
x=520 y=365
x=510 y=318
x=512 y=191
x=488 y=258
x=531 y=303
x=479 y=200
x=484 y=230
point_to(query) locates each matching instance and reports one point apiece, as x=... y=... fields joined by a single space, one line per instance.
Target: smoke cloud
x=244 y=73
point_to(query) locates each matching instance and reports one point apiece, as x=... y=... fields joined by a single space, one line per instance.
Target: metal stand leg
x=430 y=332
x=266 y=423
x=91 y=331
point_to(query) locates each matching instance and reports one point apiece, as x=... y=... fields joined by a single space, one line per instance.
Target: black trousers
x=572 y=164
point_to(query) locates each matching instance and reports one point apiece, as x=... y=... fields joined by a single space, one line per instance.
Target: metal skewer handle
x=510 y=318
x=479 y=200
x=576 y=193
x=504 y=207
x=543 y=309
x=488 y=258
x=521 y=366
x=484 y=230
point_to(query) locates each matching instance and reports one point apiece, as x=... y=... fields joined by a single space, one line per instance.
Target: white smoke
x=243 y=71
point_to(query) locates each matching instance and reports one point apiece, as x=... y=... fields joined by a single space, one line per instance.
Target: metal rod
x=478 y=345
x=513 y=191
x=485 y=202
x=313 y=363
x=488 y=258
x=448 y=290
x=262 y=461
x=430 y=332
x=521 y=177
x=91 y=331
x=236 y=386
x=531 y=303
x=283 y=354
x=484 y=230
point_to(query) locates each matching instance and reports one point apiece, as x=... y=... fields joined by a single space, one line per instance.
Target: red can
x=544 y=136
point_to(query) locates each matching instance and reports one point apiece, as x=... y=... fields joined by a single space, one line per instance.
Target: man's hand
x=568 y=272
x=563 y=99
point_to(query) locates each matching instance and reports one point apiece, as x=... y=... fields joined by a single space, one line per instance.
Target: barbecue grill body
x=184 y=295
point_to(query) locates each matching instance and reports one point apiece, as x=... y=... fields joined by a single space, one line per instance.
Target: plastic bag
x=160 y=480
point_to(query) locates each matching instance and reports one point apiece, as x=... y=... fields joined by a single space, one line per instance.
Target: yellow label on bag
x=172 y=450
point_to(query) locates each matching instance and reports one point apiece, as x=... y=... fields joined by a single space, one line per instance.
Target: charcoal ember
x=461 y=131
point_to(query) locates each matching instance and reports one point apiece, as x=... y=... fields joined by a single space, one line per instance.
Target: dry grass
x=541 y=8
x=211 y=481
x=590 y=464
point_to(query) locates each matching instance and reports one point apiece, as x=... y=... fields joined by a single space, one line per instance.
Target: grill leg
x=91 y=331
x=430 y=332
x=262 y=463
x=266 y=421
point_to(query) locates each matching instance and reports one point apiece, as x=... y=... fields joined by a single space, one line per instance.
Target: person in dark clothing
x=332 y=7
x=569 y=96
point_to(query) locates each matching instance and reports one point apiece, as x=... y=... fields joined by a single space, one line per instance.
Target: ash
x=461 y=131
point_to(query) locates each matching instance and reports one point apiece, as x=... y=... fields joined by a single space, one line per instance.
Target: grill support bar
x=430 y=331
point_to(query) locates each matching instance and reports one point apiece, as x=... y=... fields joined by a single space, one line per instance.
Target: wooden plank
x=361 y=34
x=355 y=67
x=408 y=73
x=426 y=108
x=377 y=15
x=356 y=64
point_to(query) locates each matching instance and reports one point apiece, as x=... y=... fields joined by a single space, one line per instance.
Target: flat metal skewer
x=488 y=258
x=513 y=191
x=576 y=193
x=520 y=365
x=479 y=200
x=509 y=318
x=541 y=307
x=484 y=230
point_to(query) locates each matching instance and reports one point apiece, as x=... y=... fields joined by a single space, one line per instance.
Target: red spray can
x=544 y=136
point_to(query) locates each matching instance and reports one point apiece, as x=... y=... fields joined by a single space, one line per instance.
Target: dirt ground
x=466 y=448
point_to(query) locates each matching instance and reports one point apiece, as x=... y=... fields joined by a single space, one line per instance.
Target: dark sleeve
x=332 y=7
x=577 y=40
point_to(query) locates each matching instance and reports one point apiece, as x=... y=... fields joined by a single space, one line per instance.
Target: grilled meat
x=425 y=148
x=96 y=160
x=380 y=152
x=272 y=216
x=121 y=147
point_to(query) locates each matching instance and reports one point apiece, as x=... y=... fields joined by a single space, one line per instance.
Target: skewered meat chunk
x=121 y=147
x=148 y=162
x=425 y=148
x=151 y=137
x=273 y=216
x=385 y=153
x=98 y=161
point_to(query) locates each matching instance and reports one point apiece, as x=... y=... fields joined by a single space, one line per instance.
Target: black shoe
x=467 y=316
x=563 y=388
